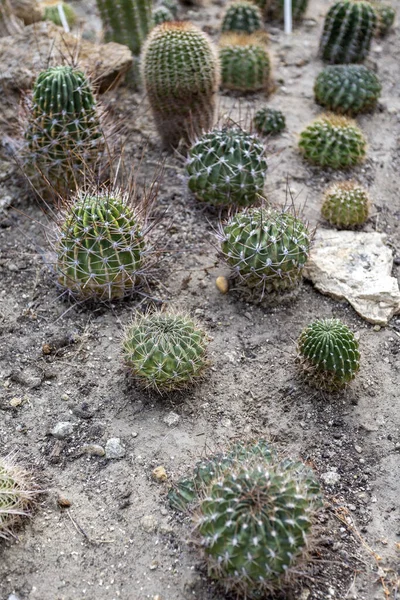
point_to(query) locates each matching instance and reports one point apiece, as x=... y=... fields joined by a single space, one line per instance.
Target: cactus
x=346 y=205
x=165 y=352
x=274 y=9
x=328 y=354
x=333 y=141
x=52 y=13
x=100 y=247
x=162 y=14
x=242 y=17
x=348 y=29
x=126 y=22
x=267 y=251
x=245 y=63
x=181 y=76
x=172 y=6
x=269 y=121
x=386 y=15
x=227 y=167
x=17 y=496
x=347 y=89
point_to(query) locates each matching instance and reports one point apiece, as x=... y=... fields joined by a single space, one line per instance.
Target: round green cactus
x=269 y=121
x=162 y=14
x=52 y=13
x=164 y=351
x=172 y=6
x=348 y=30
x=274 y=9
x=126 y=22
x=267 y=250
x=100 y=247
x=245 y=63
x=329 y=354
x=347 y=89
x=333 y=141
x=386 y=15
x=346 y=205
x=227 y=167
x=242 y=17
x=17 y=496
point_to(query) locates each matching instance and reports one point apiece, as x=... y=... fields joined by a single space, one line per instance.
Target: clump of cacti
x=269 y=121
x=386 y=15
x=162 y=14
x=165 y=351
x=346 y=205
x=267 y=250
x=333 y=141
x=180 y=70
x=245 y=63
x=329 y=354
x=347 y=89
x=348 y=30
x=242 y=16
x=100 y=246
x=17 y=496
x=52 y=13
x=127 y=22
x=227 y=167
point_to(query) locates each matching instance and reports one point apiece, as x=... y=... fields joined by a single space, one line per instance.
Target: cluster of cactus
x=269 y=121
x=328 y=354
x=181 y=75
x=333 y=141
x=165 y=351
x=267 y=250
x=347 y=89
x=227 y=167
x=386 y=15
x=100 y=247
x=162 y=14
x=348 y=30
x=243 y=17
x=126 y=22
x=245 y=63
x=346 y=205
x=52 y=13
x=17 y=496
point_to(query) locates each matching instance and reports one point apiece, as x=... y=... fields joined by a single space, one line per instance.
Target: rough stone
x=114 y=448
x=171 y=419
x=30 y=11
x=93 y=450
x=62 y=430
x=356 y=266
x=149 y=523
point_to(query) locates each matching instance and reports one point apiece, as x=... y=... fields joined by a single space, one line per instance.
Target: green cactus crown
x=242 y=17
x=346 y=205
x=269 y=121
x=245 y=63
x=17 y=496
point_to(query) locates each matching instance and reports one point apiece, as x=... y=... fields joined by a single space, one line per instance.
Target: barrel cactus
x=329 y=354
x=17 y=496
x=180 y=71
x=347 y=89
x=242 y=17
x=100 y=246
x=162 y=14
x=274 y=9
x=333 y=141
x=269 y=121
x=126 y=22
x=227 y=167
x=348 y=30
x=386 y=15
x=52 y=13
x=346 y=205
x=245 y=63
x=165 y=351
x=267 y=250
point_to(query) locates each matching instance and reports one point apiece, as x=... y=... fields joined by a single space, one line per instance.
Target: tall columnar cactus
x=181 y=75
x=333 y=141
x=348 y=30
x=347 y=89
x=17 y=496
x=386 y=15
x=227 y=167
x=126 y=22
x=242 y=17
x=52 y=13
x=346 y=205
x=269 y=121
x=329 y=354
x=100 y=246
x=267 y=251
x=165 y=352
x=245 y=63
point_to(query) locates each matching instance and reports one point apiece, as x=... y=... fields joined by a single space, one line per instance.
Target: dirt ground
x=119 y=539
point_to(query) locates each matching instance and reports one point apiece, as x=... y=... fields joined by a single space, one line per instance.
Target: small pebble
x=222 y=284
x=171 y=419
x=114 y=449
x=14 y=402
x=62 y=430
x=160 y=474
x=149 y=523
x=93 y=450
x=63 y=502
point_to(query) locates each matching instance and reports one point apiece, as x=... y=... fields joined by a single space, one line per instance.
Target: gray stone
x=171 y=419
x=149 y=523
x=62 y=430
x=114 y=448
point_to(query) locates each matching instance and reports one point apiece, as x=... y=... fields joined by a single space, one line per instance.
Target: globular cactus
x=242 y=17
x=333 y=141
x=269 y=121
x=267 y=250
x=328 y=354
x=172 y=6
x=347 y=89
x=348 y=30
x=227 y=167
x=126 y=22
x=165 y=352
x=17 y=496
x=346 y=205
x=52 y=13
x=162 y=14
x=245 y=63
x=180 y=71
x=386 y=15
x=274 y=9
x=100 y=246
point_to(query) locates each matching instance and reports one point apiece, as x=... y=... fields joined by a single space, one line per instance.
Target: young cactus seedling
x=346 y=205
x=17 y=497
x=269 y=121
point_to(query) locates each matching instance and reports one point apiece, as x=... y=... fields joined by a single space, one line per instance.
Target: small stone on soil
x=171 y=419
x=62 y=430
x=114 y=449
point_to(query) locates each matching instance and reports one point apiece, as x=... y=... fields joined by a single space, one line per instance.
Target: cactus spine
x=269 y=121
x=242 y=17
x=17 y=496
x=346 y=205
x=126 y=22
x=245 y=63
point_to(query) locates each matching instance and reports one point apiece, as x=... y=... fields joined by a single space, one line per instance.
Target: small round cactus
x=269 y=121
x=227 y=167
x=162 y=14
x=242 y=17
x=100 y=247
x=172 y=6
x=346 y=205
x=348 y=30
x=165 y=352
x=333 y=141
x=17 y=496
x=267 y=250
x=274 y=9
x=386 y=15
x=245 y=63
x=52 y=13
x=329 y=354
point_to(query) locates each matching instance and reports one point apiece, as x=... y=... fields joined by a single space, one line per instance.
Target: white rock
x=356 y=266
x=331 y=477
x=62 y=430
x=171 y=419
x=114 y=448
